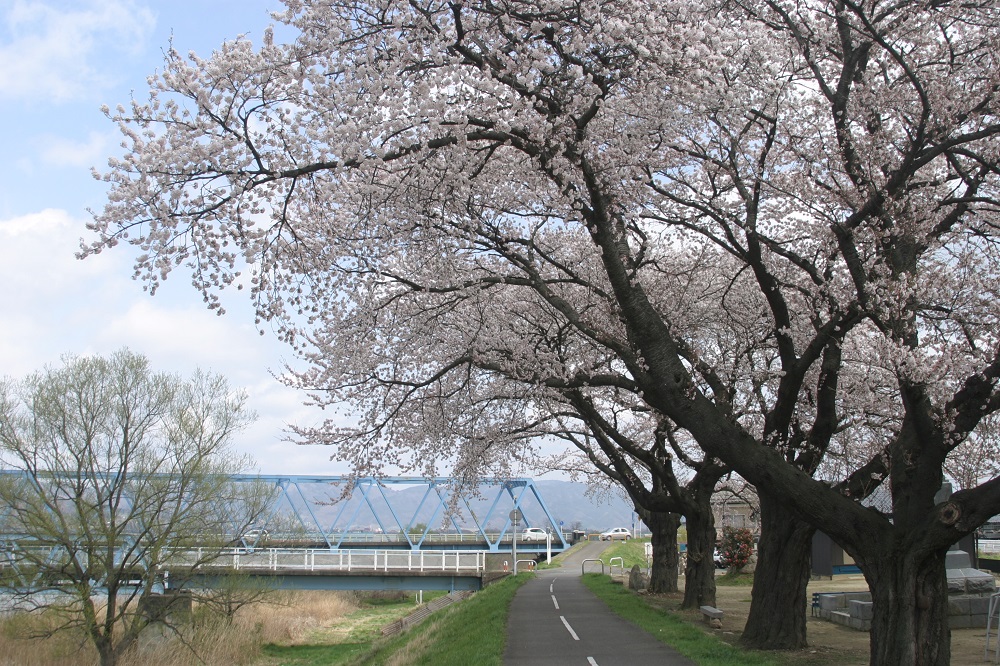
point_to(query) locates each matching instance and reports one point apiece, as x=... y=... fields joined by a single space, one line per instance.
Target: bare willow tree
x=113 y=472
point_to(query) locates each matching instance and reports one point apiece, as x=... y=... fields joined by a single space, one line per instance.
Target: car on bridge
x=534 y=534
x=616 y=533
x=256 y=535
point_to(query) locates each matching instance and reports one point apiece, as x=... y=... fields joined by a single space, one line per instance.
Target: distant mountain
x=568 y=502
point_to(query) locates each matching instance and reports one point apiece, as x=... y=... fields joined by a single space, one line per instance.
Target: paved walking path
x=555 y=620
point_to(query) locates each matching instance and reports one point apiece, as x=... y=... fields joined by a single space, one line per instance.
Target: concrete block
x=979 y=605
x=960 y=621
x=858 y=596
x=979 y=582
x=710 y=612
x=959 y=606
x=832 y=602
x=956 y=586
x=957 y=559
x=861 y=610
x=840 y=617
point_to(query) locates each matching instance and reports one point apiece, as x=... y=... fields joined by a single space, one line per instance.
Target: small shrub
x=737 y=547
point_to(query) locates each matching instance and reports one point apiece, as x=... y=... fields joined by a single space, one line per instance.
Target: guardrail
x=531 y=564
x=611 y=565
x=583 y=565
x=349 y=560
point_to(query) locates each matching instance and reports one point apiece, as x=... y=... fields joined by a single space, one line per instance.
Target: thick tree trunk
x=910 y=595
x=664 y=572
x=107 y=653
x=777 y=619
x=699 y=574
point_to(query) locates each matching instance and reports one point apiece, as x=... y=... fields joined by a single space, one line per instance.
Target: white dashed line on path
x=554 y=602
x=569 y=628
x=591 y=661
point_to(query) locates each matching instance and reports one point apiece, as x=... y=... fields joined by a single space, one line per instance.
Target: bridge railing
x=399 y=537
x=348 y=560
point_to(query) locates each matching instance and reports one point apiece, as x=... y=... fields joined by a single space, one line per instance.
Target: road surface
x=556 y=621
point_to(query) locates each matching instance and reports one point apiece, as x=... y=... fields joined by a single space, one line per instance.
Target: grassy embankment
x=308 y=629
x=287 y=628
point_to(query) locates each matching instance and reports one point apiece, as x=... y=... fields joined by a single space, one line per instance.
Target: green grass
x=692 y=642
x=314 y=655
x=446 y=639
x=632 y=552
x=730 y=579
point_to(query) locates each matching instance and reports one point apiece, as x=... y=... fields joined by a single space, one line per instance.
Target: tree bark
x=910 y=595
x=699 y=574
x=777 y=619
x=663 y=529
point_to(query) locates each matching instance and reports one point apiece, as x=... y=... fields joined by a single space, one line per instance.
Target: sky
x=60 y=61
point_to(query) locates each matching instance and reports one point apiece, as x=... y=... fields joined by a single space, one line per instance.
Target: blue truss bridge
x=407 y=533
x=404 y=513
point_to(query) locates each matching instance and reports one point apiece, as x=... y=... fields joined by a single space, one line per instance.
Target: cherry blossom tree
x=976 y=459
x=460 y=214
x=623 y=445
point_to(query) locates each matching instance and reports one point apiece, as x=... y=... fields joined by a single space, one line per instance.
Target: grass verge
x=313 y=655
x=632 y=552
x=446 y=639
x=692 y=642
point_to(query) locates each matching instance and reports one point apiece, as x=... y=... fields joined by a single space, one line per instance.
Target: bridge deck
x=285 y=568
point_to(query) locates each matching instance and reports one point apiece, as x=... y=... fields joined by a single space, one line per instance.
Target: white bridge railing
x=989 y=545
x=347 y=560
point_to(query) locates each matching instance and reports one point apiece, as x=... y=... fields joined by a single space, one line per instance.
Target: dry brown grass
x=208 y=639
x=290 y=617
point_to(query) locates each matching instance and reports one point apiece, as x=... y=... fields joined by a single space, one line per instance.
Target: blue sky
x=59 y=62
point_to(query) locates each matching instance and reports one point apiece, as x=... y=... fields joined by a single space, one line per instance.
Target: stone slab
x=840 y=617
x=959 y=606
x=832 y=602
x=957 y=559
x=861 y=610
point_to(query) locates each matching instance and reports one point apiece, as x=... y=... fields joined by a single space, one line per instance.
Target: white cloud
x=52 y=304
x=48 y=51
x=63 y=152
x=38 y=262
x=190 y=333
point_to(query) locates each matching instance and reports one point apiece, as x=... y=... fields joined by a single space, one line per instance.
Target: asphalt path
x=555 y=620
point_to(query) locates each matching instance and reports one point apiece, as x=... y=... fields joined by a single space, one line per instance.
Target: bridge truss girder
x=441 y=496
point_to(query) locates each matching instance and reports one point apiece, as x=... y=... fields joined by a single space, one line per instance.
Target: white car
x=534 y=534
x=616 y=533
x=256 y=535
